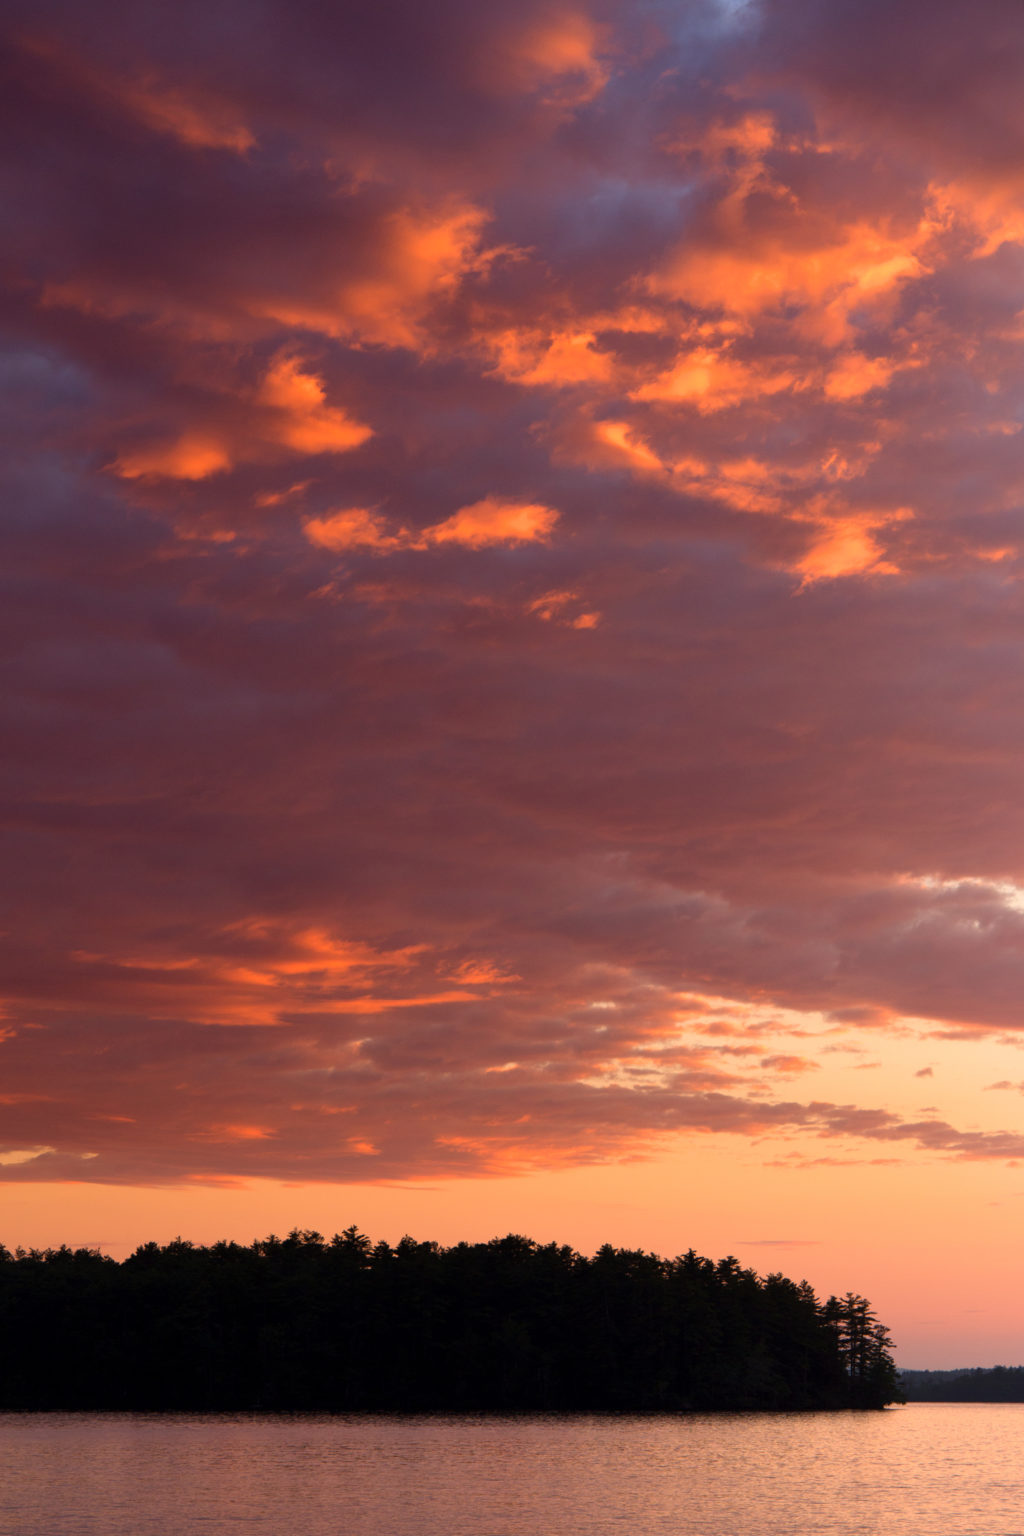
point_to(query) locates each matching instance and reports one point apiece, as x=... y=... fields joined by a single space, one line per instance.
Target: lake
x=927 y=1468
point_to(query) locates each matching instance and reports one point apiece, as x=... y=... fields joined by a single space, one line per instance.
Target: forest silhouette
x=305 y=1323
x=972 y=1384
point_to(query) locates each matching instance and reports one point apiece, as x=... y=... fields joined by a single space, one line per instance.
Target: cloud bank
x=512 y=570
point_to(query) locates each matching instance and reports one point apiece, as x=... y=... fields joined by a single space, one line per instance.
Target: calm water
x=927 y=1468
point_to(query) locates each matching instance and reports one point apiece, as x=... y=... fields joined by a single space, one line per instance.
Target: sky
x=512 y=633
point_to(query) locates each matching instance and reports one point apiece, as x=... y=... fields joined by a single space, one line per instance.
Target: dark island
x=971 y=1384
x=302 y=1323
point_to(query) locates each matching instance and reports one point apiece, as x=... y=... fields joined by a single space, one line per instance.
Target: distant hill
x=971 y=1384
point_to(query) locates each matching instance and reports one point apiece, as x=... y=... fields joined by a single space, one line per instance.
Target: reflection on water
x=951 y=1470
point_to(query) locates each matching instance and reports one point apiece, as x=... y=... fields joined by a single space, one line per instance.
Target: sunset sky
x=513 y=633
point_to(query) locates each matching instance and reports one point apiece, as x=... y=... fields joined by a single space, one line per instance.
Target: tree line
x=977 y=1384
x=307 y=1323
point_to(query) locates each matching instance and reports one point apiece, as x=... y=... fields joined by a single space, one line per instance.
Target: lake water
x=951 y=1470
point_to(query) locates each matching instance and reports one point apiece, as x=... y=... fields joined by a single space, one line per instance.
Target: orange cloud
x=276 y=498
x=376 y=1004
x=494 y=520
x=194 y=456
x=789 y=1065
x=749 y=138
x=853 y=375
x=748 y=484
x=195 y=117
x=847 y=545
x=303 y=420
x=987 y=205
x=848 y=549
x=711 y=380
x=421 y=256
x=288 y=410
x=556 y=359
x=562 y=608
x=479 y=973
x=381 y=288
x=315 y=952
x=23 y=1155
x=845 y=541
x=625 y=445
x=768 y=249
x=235 y=1133
x=201 y=123
x=255 y=972
x=353 y=528
x=738 y=146
x=827 y=271
x=561 y=55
